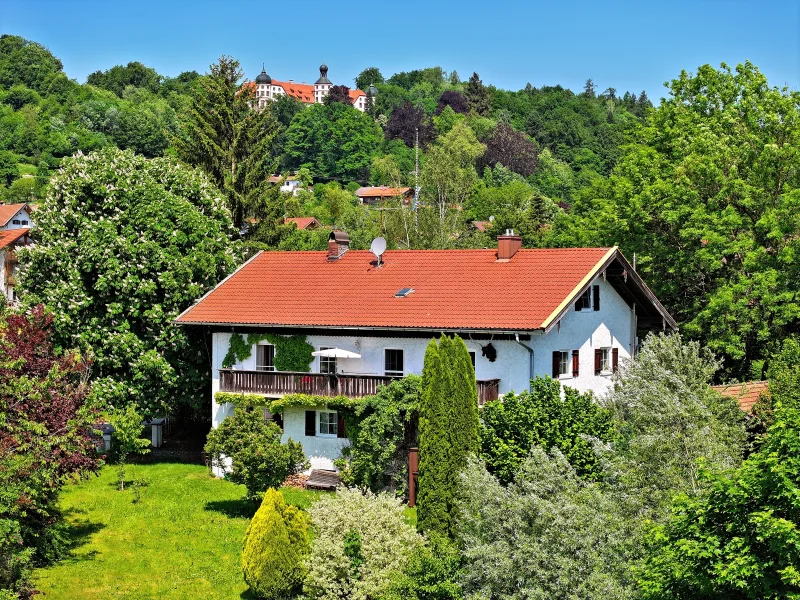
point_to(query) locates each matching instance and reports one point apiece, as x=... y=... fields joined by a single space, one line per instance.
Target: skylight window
x=404 y=292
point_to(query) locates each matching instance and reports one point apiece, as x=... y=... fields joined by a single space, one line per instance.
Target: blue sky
x=631 y=45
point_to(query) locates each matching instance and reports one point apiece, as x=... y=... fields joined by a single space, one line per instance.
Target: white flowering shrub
x=123 y=245
x=361 y=541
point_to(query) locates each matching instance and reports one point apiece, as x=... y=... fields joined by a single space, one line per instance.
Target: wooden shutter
x=579 y=304
x=311 y=422
x=596 y=294
x=556 y=364
x=598 y=361
x=340 y=431
x=576 y=363
x=614 y=359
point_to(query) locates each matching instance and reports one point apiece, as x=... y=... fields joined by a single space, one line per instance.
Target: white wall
x=320 y=450
x=22 y=215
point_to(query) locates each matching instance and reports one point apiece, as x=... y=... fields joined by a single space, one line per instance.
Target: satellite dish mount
x=378 y=247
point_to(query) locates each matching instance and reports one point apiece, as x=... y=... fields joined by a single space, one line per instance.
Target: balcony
x=279 y=383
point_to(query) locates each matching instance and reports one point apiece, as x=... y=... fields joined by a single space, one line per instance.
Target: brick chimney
x=338 y=244
x=508 y=244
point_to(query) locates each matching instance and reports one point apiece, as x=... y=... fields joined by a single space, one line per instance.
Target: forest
x=701 y=189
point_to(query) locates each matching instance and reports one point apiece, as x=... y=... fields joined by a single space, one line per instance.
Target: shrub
x=275 y=544
x=511 y=427
x=361 y=541
x=382 y=430
x=258 y=458
x=448 y=430
x=669 y=417
x=128 y=429
x=432 y=573
x=549 y=534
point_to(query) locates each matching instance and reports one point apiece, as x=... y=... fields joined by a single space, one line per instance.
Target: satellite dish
x=378 y=247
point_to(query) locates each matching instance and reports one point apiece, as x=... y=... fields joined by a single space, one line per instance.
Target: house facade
x=572 y=314
x=15 y=227
x=381 y=193
x=267 y=89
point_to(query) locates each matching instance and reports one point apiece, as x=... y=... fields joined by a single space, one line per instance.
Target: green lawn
x=26 y=169
x=182 y=540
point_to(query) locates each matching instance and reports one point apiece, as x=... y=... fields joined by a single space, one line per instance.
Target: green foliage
x=360 y=541
x=739 y=539
x=25 y=62
x=549 y=534
x=16 y=562
x=669 y=418
x=512 y=426
x=784 y=374
x=432 y=573
x=124 y=245
x=275 y=546
x=382 y=430
x=367 y=77
x=334 y=140
x=292 y=352
x=127 y=437
x=118 y=78
x=257 y=457
x=448 y=431
x=708 y=201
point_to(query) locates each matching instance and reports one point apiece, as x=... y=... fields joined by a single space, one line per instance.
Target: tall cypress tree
x=448 y=430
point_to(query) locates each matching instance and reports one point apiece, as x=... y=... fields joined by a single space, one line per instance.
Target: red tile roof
x=746 y=393
x=381 y=191
x=9 y=236
x=355 y=94
x=481 y=225
x=453 y=289
x=302 y=222
x=302 y=91
x=7 y=211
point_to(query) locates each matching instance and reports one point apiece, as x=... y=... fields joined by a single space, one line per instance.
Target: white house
x=267 y=89
x=15 y=226
x=568 y=313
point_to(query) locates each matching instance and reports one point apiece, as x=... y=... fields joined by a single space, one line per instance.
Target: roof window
x=404 y=292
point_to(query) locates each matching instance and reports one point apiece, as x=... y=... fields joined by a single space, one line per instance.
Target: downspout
x=530 y=367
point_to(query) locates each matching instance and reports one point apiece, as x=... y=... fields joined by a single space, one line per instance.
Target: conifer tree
x=448 y=430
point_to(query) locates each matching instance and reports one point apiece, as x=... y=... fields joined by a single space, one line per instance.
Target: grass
x=26 y=170
x=181 y=540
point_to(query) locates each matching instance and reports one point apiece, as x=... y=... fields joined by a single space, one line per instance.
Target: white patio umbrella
x=336 y=353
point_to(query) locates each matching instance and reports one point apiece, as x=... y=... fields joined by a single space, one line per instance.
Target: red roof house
x=303 y=222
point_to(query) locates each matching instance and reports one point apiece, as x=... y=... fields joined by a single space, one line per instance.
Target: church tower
x=323 y=85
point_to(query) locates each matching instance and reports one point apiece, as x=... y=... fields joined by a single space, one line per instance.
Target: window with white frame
x=564 y=364
x=328 y=423
x=327 y=364
x=393 y=362
x=265 y=357
x=605 y=360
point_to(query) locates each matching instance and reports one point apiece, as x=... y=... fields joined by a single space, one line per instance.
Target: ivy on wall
x=277 y=405
x=292 y=352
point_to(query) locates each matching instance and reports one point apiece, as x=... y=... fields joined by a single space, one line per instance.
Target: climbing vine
x=277 y=405
x=292 y=352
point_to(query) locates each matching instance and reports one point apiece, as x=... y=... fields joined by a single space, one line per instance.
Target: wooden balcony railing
x=278 y=383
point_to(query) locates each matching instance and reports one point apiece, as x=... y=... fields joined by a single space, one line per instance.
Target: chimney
x=338 y=243
x=508 y=244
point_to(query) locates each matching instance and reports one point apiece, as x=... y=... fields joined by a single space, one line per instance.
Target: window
x=563 y=366
x=327 y=364
x=15 y=222
x=328 y=423
x=393 y=362
x=606 y=360
x=472 y=357
x=589 y=299
x=265 y=357
x=24 y=222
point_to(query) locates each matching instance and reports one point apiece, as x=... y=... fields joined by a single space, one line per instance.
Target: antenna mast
x=416 y=168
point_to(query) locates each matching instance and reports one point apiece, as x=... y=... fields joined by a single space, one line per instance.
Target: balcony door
x=265 y=357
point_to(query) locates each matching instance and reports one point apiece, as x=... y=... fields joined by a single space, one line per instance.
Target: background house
x=571 y=314
x=15 y=227
x=381 y=193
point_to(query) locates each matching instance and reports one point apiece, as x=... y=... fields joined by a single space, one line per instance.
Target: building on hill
x=381 y=193
x=568 y=313
x=15 y=227
x=267 y=89
x=303 y=223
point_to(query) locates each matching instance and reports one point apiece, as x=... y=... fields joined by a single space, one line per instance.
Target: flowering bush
x=361 y=542
x=258 y=459
x=123 y=245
